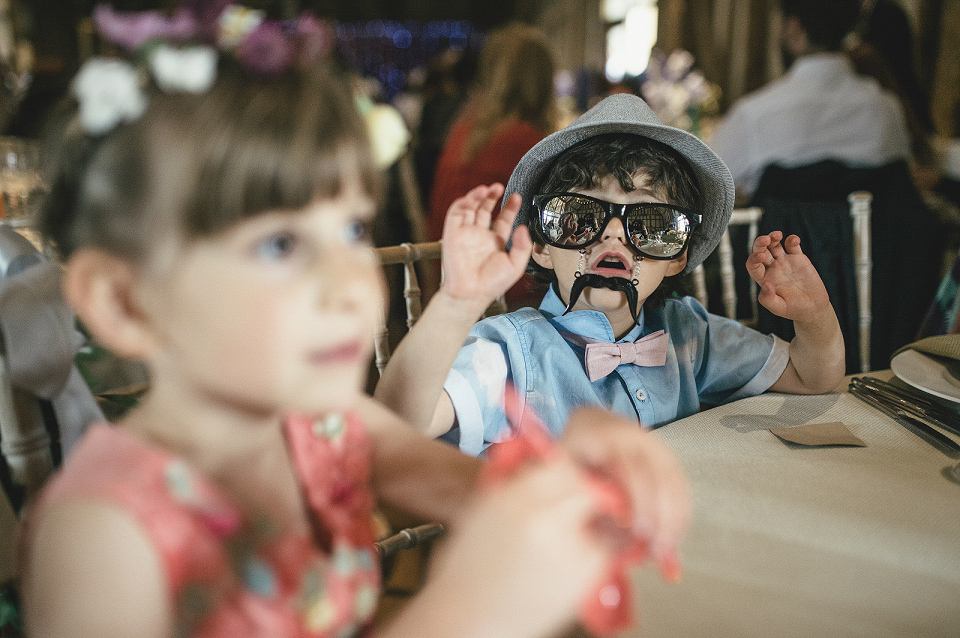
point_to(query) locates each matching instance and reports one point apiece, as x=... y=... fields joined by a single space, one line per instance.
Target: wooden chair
x=409 y=255
x=860 y=209
x=749 y=217
x=403 y=579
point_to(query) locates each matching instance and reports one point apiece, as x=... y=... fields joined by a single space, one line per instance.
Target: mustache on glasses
x=593 y=280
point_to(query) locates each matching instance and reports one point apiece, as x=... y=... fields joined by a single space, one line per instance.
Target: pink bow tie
x=601 y=358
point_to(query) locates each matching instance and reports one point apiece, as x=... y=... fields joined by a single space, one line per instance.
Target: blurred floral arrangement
x=388 y=132
x=180 y=52
x=678 y=93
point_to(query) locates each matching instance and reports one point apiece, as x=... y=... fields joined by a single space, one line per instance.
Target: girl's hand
x=638 y=461
x=790 y=286
x=477 y=267
x=523 y=557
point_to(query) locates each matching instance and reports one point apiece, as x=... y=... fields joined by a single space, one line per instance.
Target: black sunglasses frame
x=611 y=210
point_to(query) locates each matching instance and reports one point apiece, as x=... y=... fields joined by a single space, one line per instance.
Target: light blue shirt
x=710 y=359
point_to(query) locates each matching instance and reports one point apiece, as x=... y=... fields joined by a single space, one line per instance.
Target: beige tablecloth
x=821 y=542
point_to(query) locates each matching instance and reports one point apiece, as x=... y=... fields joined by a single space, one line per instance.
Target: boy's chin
x=606 y=294
x=605 y=300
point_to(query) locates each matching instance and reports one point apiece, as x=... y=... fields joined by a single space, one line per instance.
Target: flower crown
x=180 y=52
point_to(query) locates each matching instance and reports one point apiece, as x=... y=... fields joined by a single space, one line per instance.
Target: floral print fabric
x=231 y=575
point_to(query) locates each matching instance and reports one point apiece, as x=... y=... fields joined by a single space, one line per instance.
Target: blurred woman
x=511 y=108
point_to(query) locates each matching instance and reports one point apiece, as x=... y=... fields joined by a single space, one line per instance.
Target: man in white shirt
x=821 y=109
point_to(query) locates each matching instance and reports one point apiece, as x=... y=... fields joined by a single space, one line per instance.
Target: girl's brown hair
x=199 y=163
x=515 y=83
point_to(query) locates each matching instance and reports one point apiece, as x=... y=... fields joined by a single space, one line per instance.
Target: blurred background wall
x=733 y=42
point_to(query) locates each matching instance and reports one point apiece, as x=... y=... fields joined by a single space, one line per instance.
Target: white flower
x=108 y=92
x=189 y=70
x=388 y=133
x=236 y=23
x=678 y=63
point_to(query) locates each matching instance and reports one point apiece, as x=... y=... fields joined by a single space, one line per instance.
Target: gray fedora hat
x=625 y=113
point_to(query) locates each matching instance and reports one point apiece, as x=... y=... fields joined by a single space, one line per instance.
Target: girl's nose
x=352 y=280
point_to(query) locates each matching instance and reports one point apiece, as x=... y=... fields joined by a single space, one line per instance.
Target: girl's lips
x=346 y=353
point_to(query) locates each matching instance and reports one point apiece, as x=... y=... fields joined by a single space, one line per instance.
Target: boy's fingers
x=461 y=210
x=484 y=211
x=776 y=249
x=521 y=248
x=792 y=245
x=503 y=225
x=769 y=299
x=761 y=243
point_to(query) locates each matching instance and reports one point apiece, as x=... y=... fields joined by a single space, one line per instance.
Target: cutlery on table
x=913 y=402
x=920 y=427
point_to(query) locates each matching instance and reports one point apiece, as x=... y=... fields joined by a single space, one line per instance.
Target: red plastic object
x=609 y=607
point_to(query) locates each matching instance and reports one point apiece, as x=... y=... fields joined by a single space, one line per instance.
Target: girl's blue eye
x=276 y=246
x=357 y=230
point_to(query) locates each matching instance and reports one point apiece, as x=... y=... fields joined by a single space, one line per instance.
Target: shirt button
x=641 y=395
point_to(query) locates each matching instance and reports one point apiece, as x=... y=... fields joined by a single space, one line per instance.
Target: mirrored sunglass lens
x=570 y=221
x=658 y=231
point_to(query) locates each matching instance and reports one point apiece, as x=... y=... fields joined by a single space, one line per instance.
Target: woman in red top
x=511 y=109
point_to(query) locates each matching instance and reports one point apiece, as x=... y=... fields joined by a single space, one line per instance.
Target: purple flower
x=133 y=29
x=266 y=49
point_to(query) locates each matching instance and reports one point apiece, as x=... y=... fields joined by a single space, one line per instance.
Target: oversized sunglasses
x=572 y=220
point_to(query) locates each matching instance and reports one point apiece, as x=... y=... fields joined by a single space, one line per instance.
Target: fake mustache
x=592 y=280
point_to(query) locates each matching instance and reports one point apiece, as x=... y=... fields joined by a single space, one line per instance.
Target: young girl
x=212 y=226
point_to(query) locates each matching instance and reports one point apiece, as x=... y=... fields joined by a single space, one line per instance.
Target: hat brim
x=628 y=114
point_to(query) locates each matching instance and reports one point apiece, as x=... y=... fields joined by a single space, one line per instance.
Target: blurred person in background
x=882 y=47
x=449 y=76
x=820 y=109
x=511 y=108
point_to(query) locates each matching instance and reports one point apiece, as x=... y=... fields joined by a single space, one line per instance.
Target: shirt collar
x=821 y=64
x=586 y=323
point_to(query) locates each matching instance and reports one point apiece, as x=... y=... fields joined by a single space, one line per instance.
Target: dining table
x=819 y=541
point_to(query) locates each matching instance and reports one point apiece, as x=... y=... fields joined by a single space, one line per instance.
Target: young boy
x=650 y=202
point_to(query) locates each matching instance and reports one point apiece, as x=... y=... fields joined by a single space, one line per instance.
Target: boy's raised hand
x=790 y=286
x=477 y=267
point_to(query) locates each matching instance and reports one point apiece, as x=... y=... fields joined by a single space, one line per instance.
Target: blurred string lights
x=390 y=51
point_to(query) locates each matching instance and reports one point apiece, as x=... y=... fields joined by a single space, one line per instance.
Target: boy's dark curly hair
x=583 y=165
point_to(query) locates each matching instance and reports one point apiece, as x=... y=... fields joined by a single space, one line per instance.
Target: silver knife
x=929 y=434
x=920 y=408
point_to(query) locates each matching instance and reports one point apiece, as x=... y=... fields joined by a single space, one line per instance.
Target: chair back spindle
x=749 y=217
x=407 y=255
x=860 y=210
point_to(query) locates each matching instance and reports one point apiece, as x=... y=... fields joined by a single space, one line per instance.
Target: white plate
x=929 y=374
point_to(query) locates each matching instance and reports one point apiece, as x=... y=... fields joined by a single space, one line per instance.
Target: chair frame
x=408 y=255
x=741 y=216
x=860 y=212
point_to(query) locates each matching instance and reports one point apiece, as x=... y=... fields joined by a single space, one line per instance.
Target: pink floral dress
x=232 y=577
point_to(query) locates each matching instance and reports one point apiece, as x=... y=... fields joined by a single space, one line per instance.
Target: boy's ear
x=542 y=256
x=101 y=289
x=676 y=266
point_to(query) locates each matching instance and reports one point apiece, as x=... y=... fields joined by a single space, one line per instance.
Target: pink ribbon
x=601 y=358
